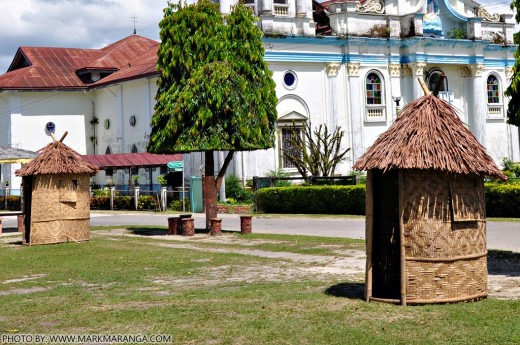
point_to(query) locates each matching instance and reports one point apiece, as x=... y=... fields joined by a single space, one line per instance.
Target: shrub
x=235 y=189
x=280 y=173
x=502 y=200
x=176 y=205
x=147 y=202
x=101 y=202
x=312 y=199
x=124 y=202
x=14 y=203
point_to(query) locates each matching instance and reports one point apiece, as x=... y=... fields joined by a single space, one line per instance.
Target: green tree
x=513 y=91
x=215 y=92
x=315 y=152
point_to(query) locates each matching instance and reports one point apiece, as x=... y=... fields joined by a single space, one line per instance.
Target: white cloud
x=90 y=23
x=73 y=23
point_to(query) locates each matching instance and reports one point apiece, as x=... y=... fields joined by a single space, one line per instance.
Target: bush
x=280 y=173
x=502 y=200
x=147 y=202
x=101 y=202
x=123 y=202
x=235 y=189
x=14 y=203
x=176 y=205
x=312 y=199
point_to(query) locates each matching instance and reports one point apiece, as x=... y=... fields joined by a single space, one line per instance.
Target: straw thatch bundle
x=428 y=134
x=57 y=158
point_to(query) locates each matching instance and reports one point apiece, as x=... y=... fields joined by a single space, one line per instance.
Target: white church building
x=352 y=64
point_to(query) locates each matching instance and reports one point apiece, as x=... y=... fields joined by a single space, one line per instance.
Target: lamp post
x=397 y=100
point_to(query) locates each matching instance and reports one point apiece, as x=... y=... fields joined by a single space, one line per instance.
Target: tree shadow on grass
x=347 y=290
x=157 y=231
x=503 y=262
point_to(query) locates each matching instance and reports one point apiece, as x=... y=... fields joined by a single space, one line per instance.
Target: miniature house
x=425 y=210
x=56 y=196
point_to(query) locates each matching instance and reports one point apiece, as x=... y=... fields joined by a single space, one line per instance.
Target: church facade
x=352 y=64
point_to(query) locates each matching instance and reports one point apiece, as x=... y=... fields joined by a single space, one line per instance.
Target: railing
x=281 y=10
x=375 y=113
x=136 y=199
x=495 y=111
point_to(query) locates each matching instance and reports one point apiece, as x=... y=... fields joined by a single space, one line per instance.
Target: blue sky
x=90 y=23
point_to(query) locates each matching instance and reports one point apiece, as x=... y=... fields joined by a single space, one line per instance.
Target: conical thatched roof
x=57 y=158
x=428 y=134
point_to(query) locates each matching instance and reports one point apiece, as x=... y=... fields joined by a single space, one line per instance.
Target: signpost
x=178 y=166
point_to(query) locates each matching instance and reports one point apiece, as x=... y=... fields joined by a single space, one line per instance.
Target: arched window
x=374 y=97
x=108 y=150
x=134 y=148
x=493 y=90
x=494 y=97
x=433 y=77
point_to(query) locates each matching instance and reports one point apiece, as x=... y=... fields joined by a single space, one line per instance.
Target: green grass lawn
x=201 y=292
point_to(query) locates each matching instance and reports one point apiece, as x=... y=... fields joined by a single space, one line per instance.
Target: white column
x=395 y=87
x=225 y=6
x=477 y=115
x=332 y=69
x=356 y=110
x=301 y=8
x=266 y=6
x=417 y=71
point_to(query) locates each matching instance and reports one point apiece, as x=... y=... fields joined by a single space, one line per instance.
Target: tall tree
x=215 y=92
x=315 y=152
x=513 y=91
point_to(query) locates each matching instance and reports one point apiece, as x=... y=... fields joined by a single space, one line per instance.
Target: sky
x=91 y=23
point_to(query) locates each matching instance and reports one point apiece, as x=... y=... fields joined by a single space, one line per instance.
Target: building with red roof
x=344 y=63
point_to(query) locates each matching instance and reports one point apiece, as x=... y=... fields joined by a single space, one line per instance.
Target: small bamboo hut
x=56 y=196
x=425 y=210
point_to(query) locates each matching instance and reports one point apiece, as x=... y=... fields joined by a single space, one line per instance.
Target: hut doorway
x=386 y=237
x=27 y=203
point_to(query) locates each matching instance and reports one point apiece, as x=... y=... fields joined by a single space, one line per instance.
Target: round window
x=290 y=79
x=107 y=124
x=50 y=127
x=132 y=120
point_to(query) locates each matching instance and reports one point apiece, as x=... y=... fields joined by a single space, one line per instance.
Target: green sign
x=175 y=166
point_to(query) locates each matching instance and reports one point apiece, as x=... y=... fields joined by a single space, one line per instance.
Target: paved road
x=501 y=235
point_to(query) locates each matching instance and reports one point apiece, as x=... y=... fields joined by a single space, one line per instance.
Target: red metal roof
x=131 y=160
x=49 y=68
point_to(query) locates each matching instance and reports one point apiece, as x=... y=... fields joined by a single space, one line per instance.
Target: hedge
x=311 y=199
x=502 y=200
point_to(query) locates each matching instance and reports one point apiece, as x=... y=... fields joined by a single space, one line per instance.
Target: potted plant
x=162 y=181
x=136 y=180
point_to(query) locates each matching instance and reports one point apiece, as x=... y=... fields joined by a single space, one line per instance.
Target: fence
x=265 y=182
x=136 y=199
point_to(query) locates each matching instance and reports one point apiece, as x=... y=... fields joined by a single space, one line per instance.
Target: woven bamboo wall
x=444 y=231
x=60 y=208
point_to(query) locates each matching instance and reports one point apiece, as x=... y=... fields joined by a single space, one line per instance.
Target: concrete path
x=501 y=235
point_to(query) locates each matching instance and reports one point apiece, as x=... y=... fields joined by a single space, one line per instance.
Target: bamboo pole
x=369 y=233
x=423 y=85
x=63 y=136
x=53 y=137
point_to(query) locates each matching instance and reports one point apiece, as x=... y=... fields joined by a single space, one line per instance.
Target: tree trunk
x=210 y=190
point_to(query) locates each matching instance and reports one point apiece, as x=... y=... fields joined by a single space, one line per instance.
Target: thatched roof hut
x=426 y=226
x=56 y=194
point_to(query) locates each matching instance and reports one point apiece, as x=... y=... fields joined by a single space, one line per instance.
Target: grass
x=200 y=295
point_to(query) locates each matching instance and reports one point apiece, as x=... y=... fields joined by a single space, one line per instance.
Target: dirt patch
x=348 y=265
x=24 y=279
x=23 y=291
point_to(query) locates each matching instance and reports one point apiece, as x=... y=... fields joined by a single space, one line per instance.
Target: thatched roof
x=428 y=134
x=57 y=158
x=13 y=155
